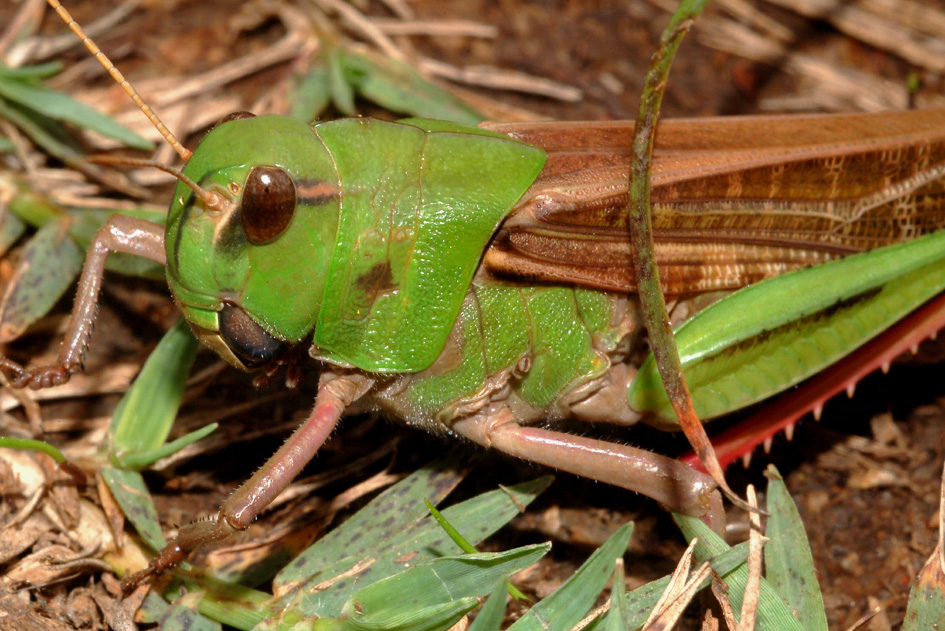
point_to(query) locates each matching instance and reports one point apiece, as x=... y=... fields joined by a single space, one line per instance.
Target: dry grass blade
x=834 y=86
x=174 y=96
x=710 y=622
x=44 y=48
x=914 y=32
x=941 y=527
x=30 y=407
x=23 y=23
x=908 y=29
x=861 y=623
x=753 y=588
x=370 y=30
x=720 y=591
x=498 y=79
x=682 y=587
x=435 y=28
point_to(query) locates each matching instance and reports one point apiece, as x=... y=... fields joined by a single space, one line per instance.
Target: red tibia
x=906 y=334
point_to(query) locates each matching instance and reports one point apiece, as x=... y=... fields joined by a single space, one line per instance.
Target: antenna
x=181 y=150
x=213 y=201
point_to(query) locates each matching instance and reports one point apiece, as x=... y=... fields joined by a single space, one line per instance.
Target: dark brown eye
x=235 y=116
x=269 y=201
x=248 y=341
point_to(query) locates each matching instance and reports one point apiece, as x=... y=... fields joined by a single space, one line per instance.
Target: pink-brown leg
x=120 y=234
x=666 y=480
x=335 y=393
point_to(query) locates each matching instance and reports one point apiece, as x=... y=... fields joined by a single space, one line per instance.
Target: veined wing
x=734 y=199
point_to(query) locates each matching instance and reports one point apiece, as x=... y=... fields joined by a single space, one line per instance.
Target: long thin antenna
x=212 y=200
x=181 y=150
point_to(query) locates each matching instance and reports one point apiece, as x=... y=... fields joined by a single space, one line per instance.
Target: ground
x=866 y=478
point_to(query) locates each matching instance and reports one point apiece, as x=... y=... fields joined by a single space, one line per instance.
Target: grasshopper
x=474 y=281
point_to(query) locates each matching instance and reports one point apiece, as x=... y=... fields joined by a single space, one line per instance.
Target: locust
x=477 y=281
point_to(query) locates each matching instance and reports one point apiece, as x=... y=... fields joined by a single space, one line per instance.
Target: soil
x=866 y=478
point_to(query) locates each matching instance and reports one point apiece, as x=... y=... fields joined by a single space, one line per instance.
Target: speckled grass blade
x=181 y=615
x=926 y=608
x=11 y=229
x=789 y=564
x=434 y=595
x=49 y=264
x=393 y=536
x=51 y=259
x=418 y=581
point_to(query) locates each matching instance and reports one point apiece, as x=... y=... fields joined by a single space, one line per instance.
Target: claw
x=40 y=377
x=171 y=556
x=16 y=371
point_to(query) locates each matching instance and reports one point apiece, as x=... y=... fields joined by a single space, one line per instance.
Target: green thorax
x=544 y=341
x=421 y=203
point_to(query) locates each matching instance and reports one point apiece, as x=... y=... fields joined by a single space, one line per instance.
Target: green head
x=267 y=248
x=246 y=263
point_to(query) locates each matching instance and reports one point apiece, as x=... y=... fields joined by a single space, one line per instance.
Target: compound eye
x=269 y=201
x=248 y=341
x=235 y=116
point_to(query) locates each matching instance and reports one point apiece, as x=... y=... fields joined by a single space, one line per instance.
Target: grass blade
x=569 y=603
x=146 y=413
x=135 y=501
x=50 y=262
x=396 y=510
x=492 y=613
x=399 y=548
x=437 y=594
x=789 y=564
x=617 y=616
x=62 y=107
x=773 y=613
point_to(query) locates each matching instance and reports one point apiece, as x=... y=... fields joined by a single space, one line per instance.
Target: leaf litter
x=857 y=468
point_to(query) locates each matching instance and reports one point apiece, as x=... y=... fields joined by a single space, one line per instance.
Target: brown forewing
x=734 y=199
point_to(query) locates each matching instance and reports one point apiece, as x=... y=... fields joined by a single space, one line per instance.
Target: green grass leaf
x=773 y=613
x=49 y=263
x=617 y=616
x=492 y=614
x=398 y=544
x=8 y=442
x=435 y=595
x=789 y=564
x=570 y=603
x=135 y=501
x=145 y=414
x=926 y=608
x=62 y=107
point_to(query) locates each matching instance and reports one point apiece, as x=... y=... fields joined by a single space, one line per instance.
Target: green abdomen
x=523 y=346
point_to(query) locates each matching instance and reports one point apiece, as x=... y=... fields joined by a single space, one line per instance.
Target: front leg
x=666 y=480
x=120 y=234
x=335 y=394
